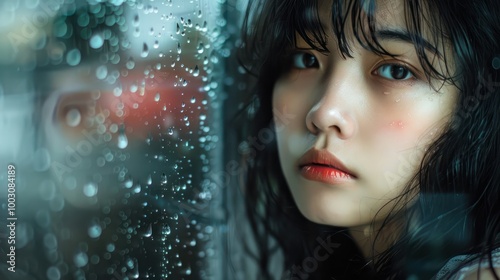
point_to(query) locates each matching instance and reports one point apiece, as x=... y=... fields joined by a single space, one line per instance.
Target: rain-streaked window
x=111 y=139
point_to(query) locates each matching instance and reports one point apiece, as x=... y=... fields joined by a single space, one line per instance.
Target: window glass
x=110 y=115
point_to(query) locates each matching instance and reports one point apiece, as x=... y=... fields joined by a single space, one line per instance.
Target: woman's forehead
x=389 y=16
x=388 y=13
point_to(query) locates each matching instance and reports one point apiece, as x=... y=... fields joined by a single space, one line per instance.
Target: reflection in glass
x=109 y=113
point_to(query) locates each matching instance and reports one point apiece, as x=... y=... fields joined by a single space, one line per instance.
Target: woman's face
x=356 y=128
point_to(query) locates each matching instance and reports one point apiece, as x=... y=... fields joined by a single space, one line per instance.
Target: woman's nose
x=334 y=112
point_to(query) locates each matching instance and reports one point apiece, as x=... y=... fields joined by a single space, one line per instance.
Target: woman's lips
x=324 y=174
x=322 y=166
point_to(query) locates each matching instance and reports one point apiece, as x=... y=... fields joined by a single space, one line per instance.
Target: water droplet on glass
x=90 y=189
x=80 y=259
x=149 y=231
x=122 y=140
x=178 y=29
x=130 y=63
x=165 y=230
x=157 y=97
x=94 y=231
x=128 y=183
x=137 y=188
x=136 y=20
x=188 y=271
x=117 y=91
x=110 y=247
x=149 y=181
x=96 y=41
x=156 y=44
x=145 y=50
x=135 y=273
x=130 y=263
x=164 y=179
x=117 y=2
x=179 y=50
x=53 y=273
x=73 y=57
x=133 y=88
x=101 y=72
x=196 y=71
x=200 y=48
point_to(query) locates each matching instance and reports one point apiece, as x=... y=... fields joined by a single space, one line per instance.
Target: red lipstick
x=322 y=166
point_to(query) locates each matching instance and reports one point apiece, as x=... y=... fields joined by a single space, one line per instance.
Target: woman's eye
x=304 y=60
x=394 y=72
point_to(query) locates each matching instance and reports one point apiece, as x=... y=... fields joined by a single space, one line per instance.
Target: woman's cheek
x=402 y=143
x=287 y=105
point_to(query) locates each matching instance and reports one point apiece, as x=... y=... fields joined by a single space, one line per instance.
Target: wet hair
x=457 y=208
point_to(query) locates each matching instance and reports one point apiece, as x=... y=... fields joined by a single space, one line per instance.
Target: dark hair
x=458 y=183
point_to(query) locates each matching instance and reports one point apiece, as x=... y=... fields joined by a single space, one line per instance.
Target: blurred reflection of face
x=361 y=124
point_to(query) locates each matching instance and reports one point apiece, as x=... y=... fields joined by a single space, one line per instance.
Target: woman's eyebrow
x=405 y=36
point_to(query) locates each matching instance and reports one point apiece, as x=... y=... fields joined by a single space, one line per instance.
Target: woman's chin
x=329 y=215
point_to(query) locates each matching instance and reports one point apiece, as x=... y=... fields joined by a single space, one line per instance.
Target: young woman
x=385 y=123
